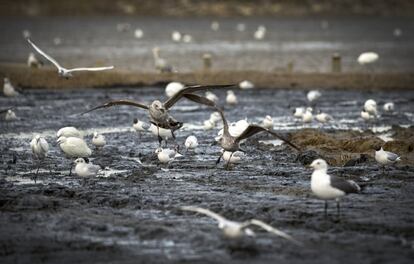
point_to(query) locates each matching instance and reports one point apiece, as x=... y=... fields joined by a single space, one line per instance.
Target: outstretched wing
x=41 y=52
x=207 y=212
x=273 y=230
x=199 y=99
x=191 y=89
x=254 y=129
x=91 y=69
x=118 y=102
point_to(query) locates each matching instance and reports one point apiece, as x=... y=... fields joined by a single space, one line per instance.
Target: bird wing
x=273 y=230
x=344 y=185
x=391 y=156
x=118 y=102
x=190 y=89
x=199 y=99
x=41 y=52
x=44 y=145
x=91 y=69
x=207 y=212
x=254 y=129
x=224 y=120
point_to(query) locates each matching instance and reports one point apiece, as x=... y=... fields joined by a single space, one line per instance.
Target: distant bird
x=386 y=158
x=215 y=26
x=367 y=58
x=160 y=63
x=245 y=85
x=267 y=122
x=389 y=107
x=26 y=33
x=57 y=41
x=176 y=36
x=397 y=32
x=241 y=27
x=39 y=147
x=173 y=87
x=63 y=72
x=232 y=229
x=191 y=142
x=123 y=27
x=370 y=106
x=187 y=38
x=231 y=98
x=367 y=116
x=307 y=117
x=299 y=111
x=208 y=124
x=215 y=117
x=159 y=112
x=211 y=96
x=313 y=96
x=86 y=169
x=10 y=115
x=138 y=33
x=74 y=147
x=32 y=61
x=98 y=140
x=8 y=89
x=69 y=132
x=323 y=118
x=260 y=33
x=166 y=155
x=140 y=127
x=329 y=187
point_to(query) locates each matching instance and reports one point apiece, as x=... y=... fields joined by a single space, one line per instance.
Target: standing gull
x=32 y=61
x=386 y=158
x=139 y=126
x=233 y=229
x=10 y=115
x=389 y=107
x=8 y=89
x=63 y=72
x=267 y=122
x=191 y=142
x=329 y=187
x=39 y=147
x=231 y=98
x=98 y=140
x=159 y=112
x=74 y=147
x=86 y=169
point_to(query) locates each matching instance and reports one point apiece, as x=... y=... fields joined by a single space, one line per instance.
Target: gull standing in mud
x=313 y=96
x=191 y=143
x=323 y=117
x=8 y=89
x=159 y=112
x=370 y=106
x=98 y=140
x=10 y=115
x=64 y=72
x=140 y=127
x=84 y=168
x=329 y=187
x=39 y=147
x=32 y=61
x=233 y=229
x=389 y=107
x=231 y=98
x=267 y=122
x=167 y=155
x=386 y=158
x=74 y=147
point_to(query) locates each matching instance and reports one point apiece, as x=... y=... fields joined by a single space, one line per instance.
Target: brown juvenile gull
x=159 y=111
x=233 y=229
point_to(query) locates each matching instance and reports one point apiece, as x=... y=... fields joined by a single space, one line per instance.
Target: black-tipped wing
x=191 y=89
x=344 y=185
x=118 y=102
x=225 y=124
x=254 y=129
x=199 y=99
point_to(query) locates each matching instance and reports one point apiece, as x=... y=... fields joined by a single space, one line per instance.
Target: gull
x=299 y=111
x=138 y=33
x=173 y=87
x=176 y=36
x=366 y=116
x=69 y=132
x=245 y=85
x=84 y=168
x=159 y=112
x=98 y=140
x=370 y=106
x=165 y=134
x=211 y=96
x=191 y=142
x=307 y=117
x=313 y=96
x=209 y=124
x=386 y=158
x=329 y=187
x=367 y=58
x=8 y=89
x=235 y=129
x=32 y=61
x=232 y=157
x=323 y=117
x=389 y=107
x=260 y=33
x=166 y=155
x=231 y=98
x=74 y=147
x=232 y=229
x=267 y=122
x=39 y=147
x=64 y=72
x=160 y=63
x=140 y=127
x=215 y=26
x=232 y=144
x=10 y=115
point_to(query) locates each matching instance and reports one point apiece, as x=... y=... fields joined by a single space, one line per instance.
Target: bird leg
x=219 y=158
x=338 y=209
x=228 y=162
x=326 y=209
x=159 y=137
x=70 y=170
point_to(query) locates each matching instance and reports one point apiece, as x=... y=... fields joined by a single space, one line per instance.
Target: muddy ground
x=132 y=215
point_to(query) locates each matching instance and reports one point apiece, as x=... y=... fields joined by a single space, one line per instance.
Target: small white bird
x=166 y=155
x=267 y=122
x=10 y=115
x=367 y=58
x=386 y=158
x=366 y=116
x=389 y=107
x=84 y=169
x=63 y=72
x=299 y=111
x=172 y=88
x=123 y=27
x=165 y=134
x=8 y=89
x=329 y=187
x=209 y=124
x=231 y=98
x=232 y=229
x=323 y=117
x=260 y=33
x=32 y=61
x=140 y=126
x=245 y=85
x=370 y=106
x=313 y=96
x=211 y=96
x=307 y=117
x=160 y=63
x=215 y=26
x=233 y=157
x=138 y=33
x=39 y=147
x=98 y=140
x=69 y=132
x=191 y=142
x=176 y=36
x=74 y=147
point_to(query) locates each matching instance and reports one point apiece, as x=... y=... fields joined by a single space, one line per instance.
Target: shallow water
x=132 y=214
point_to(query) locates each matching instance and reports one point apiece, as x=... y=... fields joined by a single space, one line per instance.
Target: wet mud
x=130 y=213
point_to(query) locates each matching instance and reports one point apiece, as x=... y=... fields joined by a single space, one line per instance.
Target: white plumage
x=267 y=122
x=32 y=61
x=84 y=169
x=208 y=124
x=138 y=33
x=10 y=115
x=231 y=98
x=385 y=157
x=313 y=95
x=237 y=156
x=165 y=134
x=245 y=85
x=8 y=89
x=172 y=88
x=69 y=132
x=389 y=107
x=176 y=36
x=323 y=117
x=39 y=147
x=166 y=155
x=307 y=117
x=366 y=116
x=191 y=142
x=74 y=147
x=211 y=96
x=367 y=58
x=370 y=106
x=98 y=140
x=260 y=33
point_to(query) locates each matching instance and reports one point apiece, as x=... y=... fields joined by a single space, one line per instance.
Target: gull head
x=158 y=150
x=378 y=148
x=80 y=160
x=135 y=120
x=319 y=164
